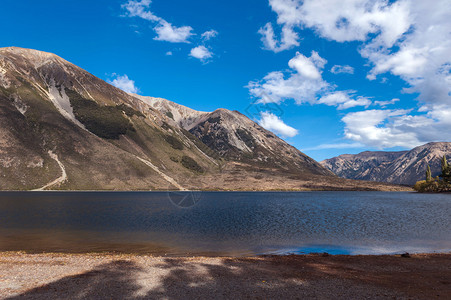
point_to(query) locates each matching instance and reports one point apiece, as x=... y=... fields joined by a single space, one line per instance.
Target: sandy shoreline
x=113 y=276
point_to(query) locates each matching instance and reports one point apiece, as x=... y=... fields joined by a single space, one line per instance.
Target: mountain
x=403 y=167
x=235 y=137
x=363 y=166
x=63 y=128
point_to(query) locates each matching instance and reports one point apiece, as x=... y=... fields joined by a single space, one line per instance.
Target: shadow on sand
x=269 y=278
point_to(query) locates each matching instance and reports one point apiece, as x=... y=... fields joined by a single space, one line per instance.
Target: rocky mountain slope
x=235 y=137
x=403 y=167
x=63 y=128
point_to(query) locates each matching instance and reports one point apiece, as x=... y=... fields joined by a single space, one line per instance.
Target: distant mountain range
x=63 y=128
x=403 y=167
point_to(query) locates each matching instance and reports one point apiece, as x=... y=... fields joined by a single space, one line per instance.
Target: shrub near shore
x=434 y=186
x=439 y=184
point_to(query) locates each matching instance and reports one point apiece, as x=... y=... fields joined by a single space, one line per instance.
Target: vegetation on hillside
x=191 y=164
x=107 y=122
x=170 y=115
x=199 y=144
x=130 y=111
x=439 y=184
x=174 y=142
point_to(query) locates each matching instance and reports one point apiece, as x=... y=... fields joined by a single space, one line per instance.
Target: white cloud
x=273 y=123
x=422 y=55
x=169 y=53
x=309 y=67
x=208 y=35
x=348 y=20
x=165 y=31
x=385 y=103
x=407 y=38
x=287 y=11
x=124 y=83
x=391 y=128
x=201 y=52
x=365 y=127
x=288 y=19
x=303 y=83
x=140 y=9
x=337 y=69
x=343 y=100
x=289 y=38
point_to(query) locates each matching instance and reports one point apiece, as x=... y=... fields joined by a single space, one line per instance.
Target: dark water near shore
x=215 y=223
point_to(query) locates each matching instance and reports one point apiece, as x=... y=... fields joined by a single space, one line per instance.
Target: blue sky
x=328 y=76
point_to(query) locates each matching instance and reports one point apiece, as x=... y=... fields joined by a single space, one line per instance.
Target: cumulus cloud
x=380 y=21
x=343 y=100
x=140 y=9
x=364 y=127
x=208 y=35
x=404 y=37
x=346 y=20
x=422 y=55
x=302 y=83
x=288 y=19
x=391 y=128
x=273 y=123
x=124 y=83
x=337 y=69
x=165 y=31
x=407 y=38
x=308 y=67
x=386 y=103
x=289 y=38
x=357 y=19
x=201 y=52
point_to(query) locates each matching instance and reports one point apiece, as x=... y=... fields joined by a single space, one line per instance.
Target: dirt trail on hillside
x=165 y=177
x=60 y=179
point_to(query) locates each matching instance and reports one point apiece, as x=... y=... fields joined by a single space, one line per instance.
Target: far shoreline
x=407 y=189
x=206 y=256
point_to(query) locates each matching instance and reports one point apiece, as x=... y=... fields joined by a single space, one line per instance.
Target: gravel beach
x=113 y=276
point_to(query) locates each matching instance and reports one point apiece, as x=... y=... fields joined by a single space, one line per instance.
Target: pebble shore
x=322 y=276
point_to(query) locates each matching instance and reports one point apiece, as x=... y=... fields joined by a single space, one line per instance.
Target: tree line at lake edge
x=439 y=184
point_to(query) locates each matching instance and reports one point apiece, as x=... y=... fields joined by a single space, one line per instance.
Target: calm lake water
x=216 y=223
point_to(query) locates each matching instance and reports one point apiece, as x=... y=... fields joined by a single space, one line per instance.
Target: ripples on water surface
x=215 y=223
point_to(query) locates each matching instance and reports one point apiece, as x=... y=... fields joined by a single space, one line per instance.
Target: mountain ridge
x=401 y=167
x=53 y=114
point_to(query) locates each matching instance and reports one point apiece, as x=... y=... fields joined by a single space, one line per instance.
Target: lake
x=225 y=223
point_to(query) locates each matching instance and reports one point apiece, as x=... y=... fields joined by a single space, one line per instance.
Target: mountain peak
x=436 y=144
x=35 y=57
x=28 y=53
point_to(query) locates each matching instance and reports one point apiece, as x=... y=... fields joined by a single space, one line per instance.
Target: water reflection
x=225 y=223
